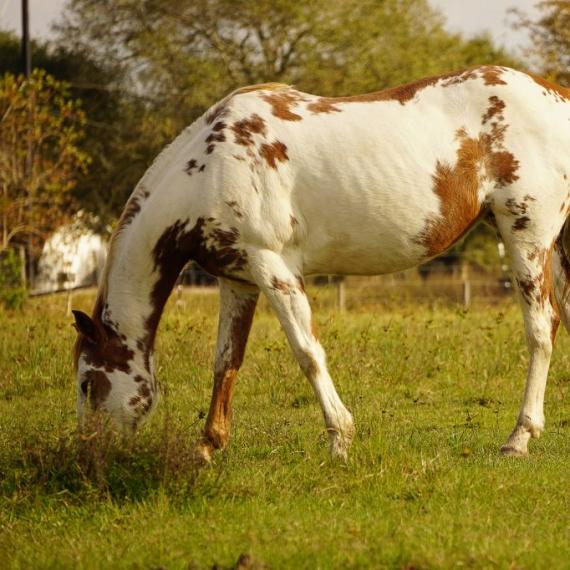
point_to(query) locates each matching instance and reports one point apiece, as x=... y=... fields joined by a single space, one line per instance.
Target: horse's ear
x=85 y=325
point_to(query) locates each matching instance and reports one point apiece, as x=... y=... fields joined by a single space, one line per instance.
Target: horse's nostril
x=85 y=387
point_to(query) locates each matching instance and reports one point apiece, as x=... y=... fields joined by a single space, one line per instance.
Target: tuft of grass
x=98 y=463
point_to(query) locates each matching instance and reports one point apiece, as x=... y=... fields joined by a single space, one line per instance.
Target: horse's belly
x=369 y=246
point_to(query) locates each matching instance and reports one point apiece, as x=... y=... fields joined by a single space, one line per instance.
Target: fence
x=410 y=286
x=458 y=284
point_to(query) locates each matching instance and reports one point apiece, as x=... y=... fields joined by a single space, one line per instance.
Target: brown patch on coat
x=274 y=153
x=245 y=129
x=521 y=223
x=533 y=253
x=218 y=112
x=132 y=209
x=215 y=249
x=294 y=221
x=218 y=422
x=309 y=365
x=560 y=94
x=526 y=288
x=109 y=351
x=539 y=289
x=281 y=286
x=190 y=166
x=215 y=137
x=406 y=93
x=545 y=281
x=515 y=208
x=262 y=87
x=492 y=75
x=111 y=354
x=519 y=208
x=457 y=185
x=235 y=208
x=495 y=110
x=282 y=103
x=314 y=329
x=96 y=386
x=324 y=105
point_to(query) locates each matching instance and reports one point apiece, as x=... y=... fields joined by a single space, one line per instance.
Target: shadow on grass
x=100 y=462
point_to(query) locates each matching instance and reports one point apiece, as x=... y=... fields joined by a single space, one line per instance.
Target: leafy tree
x=550 y=36
x=191 y=53
x=113 y=120
x=40 y=160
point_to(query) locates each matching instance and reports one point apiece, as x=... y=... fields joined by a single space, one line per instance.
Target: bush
x=12 y=290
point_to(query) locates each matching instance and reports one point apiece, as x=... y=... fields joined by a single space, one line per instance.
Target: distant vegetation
x=144 y=70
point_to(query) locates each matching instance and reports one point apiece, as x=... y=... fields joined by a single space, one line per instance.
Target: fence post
x=466 y=284
x=341 y=295
x=22 y=252
x=69 y=302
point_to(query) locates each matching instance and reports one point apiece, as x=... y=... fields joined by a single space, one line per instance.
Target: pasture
x=434 y=391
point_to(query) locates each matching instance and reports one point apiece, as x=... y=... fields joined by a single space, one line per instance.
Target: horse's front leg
x=237 y=306
x=283 y=285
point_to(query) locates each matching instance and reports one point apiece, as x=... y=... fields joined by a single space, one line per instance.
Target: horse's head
x=113 y=374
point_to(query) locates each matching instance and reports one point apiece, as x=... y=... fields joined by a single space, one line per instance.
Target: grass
x=434 y=390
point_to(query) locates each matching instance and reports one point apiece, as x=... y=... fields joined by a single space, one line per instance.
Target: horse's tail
x=561 y=274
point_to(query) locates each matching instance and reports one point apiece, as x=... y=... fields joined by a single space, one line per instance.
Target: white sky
x=471 y=17
x=466 y=16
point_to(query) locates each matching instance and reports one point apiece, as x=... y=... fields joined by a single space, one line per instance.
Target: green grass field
x=434 y=392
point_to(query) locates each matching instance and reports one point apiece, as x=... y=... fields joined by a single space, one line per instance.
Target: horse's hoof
x=339 y=444
x=512 y=451
x=202 y=455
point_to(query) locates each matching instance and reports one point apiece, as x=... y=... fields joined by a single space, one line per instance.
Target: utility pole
x=26 y=47
x=27 y=70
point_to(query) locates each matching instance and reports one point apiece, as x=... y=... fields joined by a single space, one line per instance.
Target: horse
x=272 y=184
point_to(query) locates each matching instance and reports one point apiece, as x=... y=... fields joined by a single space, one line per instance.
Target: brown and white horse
x=272 y=184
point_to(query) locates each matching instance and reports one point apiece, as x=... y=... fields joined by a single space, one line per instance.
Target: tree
x=40 y=158
x=114 y=117
x=191 y=53
x=550 y=36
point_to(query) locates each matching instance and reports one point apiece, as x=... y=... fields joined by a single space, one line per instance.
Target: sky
x=466 y=16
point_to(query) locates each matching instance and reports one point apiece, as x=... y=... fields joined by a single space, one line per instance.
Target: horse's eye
x=85 y=387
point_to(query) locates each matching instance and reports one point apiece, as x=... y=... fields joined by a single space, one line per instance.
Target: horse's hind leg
x=283 y=285
x=237 y=306
x=531 y=254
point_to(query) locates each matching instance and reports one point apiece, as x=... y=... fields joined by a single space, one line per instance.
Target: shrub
x=12 y=290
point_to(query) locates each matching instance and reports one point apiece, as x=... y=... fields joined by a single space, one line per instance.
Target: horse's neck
x=137 y=285
x=131 y=304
